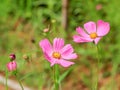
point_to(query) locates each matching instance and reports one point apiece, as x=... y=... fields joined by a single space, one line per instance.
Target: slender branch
x=19 y=82
x=65 y=14
x=6 y=79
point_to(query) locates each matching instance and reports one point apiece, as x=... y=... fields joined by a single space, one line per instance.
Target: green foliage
x=22 y=21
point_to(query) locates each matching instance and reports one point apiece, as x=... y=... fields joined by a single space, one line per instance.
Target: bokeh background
x=22 y=25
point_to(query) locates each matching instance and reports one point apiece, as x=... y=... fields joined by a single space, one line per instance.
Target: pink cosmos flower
x=93 y=32
x=11 y=66
x=46 y=30
x=58 y=53
x=99 y=7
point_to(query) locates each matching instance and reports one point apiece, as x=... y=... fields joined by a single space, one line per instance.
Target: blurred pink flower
x=12 y=56
x=99 y=7
x=58 y=53
x=92 y=33
x=46 y=30
x=11 y=66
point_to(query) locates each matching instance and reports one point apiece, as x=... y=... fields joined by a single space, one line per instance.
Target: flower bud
x=12 y=57
x=46 y=30
x=53 y=21
x=99 y=7
x=26 y=58
x=12 y=66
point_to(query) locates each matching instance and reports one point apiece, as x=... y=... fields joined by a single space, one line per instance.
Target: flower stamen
x=56 y=55
x=93 y=35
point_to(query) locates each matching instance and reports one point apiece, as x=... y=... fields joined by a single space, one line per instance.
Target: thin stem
x=97 y=71
x=19 y=82
x=56 y=77
x=6 y=79
x=113 y=75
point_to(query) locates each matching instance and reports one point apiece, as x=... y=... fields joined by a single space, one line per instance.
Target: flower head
x=93 y=32
x=46 y=30
x=12 y=56
x=99 y=7
x=58 y=53
x=11 y=66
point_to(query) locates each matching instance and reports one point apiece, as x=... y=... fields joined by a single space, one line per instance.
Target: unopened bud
x=99 y=7
x=12 y=66
x=25 y=57
x=53 y=21
x=12 y=57
x=46 y=30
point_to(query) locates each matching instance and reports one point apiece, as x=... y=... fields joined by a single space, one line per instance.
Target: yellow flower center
x=56 y=55
x=93 y=35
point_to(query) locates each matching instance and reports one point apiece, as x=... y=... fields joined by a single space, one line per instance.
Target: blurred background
x=23 y=23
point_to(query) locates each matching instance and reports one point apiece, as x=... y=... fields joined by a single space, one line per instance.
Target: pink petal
x=67 y=49
x=58 y=43
x=46 y=46
x=11 y=66
x=81 y=32
x=52 y=60
x=97 y=40
x=67 y=52
x=102 y=28
x=48 y=57
x=78 y=39
x=53 y=63
x=90 y=27
x=65 y=63
x=69 y=56
x=62 y=62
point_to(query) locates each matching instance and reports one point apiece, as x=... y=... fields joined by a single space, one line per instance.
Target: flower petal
x=11 y=66
x=102 y=28
x=55 y=61
x=46 y=46
x=48 y=57
x=62 y=62
x=81 y=32
x=69 y=56
x=67 y=52
x=52 y=64
x=58 y=43
x=90 y=27
x=65 y=63
x=78 y=39
x=67 y=49
x=97 y=40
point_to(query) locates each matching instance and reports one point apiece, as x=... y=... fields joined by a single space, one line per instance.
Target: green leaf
x=64 y=75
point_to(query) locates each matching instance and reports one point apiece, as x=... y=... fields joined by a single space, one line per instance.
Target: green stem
x=97 y=71
x=56 y=77
x=6 y=79
x=19 y=82
x=113 y=76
